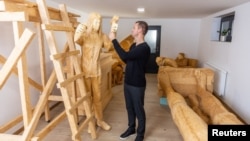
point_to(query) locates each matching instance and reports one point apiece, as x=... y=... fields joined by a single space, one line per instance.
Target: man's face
x=135 y=30
x=96 y=24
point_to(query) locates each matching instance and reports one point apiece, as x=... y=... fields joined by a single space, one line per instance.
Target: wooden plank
x=57 y=28
x=78 y=103
x=31 y=81
x=50 y=126
x=11 y=6
x=42 y=65
x=13 y=16
x=84 y=124
x=28 y=132
x=32 y=10
x=23 y=77
x=11 y=124
x=55 y=98
x=15 y=55
x=70 y=80
x=20 y=1
x=8 y=137
x=64 y=55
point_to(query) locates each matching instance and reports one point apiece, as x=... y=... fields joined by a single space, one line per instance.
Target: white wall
x=233 y=57
x=177 y=35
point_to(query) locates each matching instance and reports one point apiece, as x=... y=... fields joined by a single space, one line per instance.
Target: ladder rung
x=84 y=124
x=69 y=80
x=57 y=27
x=64 y=55
x=55 y=98
x=78 y=103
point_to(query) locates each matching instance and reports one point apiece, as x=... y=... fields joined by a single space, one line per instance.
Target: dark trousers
x=134 y=98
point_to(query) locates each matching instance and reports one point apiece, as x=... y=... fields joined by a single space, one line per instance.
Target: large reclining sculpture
x=190 y=98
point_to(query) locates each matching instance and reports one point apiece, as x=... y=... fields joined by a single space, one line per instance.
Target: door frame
x=152 y=66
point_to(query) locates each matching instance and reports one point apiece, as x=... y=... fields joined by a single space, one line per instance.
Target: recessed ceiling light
x=140 y=10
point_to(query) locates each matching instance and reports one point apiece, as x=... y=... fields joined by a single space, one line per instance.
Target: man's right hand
x=112 y=35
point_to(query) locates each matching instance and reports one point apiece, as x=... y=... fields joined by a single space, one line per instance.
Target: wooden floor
x=159 y=124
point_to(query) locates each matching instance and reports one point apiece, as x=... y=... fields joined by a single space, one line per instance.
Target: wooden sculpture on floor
x=181 y=60
x=190 y=125
x=184 y=62
x=189 y=92
x=90 y=37
x=164 y=61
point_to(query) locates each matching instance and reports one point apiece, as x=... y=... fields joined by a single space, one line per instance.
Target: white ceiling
x=153 y=8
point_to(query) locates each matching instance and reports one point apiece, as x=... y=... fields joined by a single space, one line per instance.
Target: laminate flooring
x=159 y=123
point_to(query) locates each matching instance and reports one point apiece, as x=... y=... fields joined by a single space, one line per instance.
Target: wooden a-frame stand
x=32 y=115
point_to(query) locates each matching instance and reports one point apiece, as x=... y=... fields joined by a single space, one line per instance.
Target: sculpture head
x=181 y=56
x=94 y=23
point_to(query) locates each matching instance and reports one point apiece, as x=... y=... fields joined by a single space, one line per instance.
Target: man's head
x=143 y=25
x=140 y=28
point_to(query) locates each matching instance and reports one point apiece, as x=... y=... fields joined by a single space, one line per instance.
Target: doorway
x=153 y=38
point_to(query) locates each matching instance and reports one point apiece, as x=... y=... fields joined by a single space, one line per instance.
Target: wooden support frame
x=72 y=117
x=18 y=11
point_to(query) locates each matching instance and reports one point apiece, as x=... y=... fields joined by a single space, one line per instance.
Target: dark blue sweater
x=136 y=60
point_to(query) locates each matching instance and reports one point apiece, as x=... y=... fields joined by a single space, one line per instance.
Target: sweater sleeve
x=135 y=52
x=120 y=51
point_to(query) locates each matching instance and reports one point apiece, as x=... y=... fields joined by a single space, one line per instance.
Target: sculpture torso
x=91 y=48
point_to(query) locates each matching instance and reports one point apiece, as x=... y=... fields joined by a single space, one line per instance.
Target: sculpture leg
x=97 y=103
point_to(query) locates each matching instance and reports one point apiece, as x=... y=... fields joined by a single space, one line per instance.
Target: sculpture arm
x=78 y=36
x=107 y=44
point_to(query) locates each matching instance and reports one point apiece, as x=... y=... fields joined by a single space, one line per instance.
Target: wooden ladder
x=71 y=105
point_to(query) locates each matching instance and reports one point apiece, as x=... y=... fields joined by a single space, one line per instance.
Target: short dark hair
x=144 y=26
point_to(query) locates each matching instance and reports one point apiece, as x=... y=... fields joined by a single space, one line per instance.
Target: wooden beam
x=50 y=126
x=32 y=10
x=13 y=16
x=57 y=27
x=15 y=55
x=64 y=55
x=10 y=124
x=55 y=98
x=23 y=76
x=69 y=80
x=28 y=132
x=15 y=0
x=84 y=124
x=8 y=137
x=31 y=81
x=78 y=103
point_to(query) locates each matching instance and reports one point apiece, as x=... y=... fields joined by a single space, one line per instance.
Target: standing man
x=135 y=81
x=90 y=37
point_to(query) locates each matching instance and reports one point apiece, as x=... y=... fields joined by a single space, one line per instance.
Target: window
x=222 y=28
x=226 y=27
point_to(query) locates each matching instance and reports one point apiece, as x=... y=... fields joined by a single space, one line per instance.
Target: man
x=91 y=39
x=135 y=81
